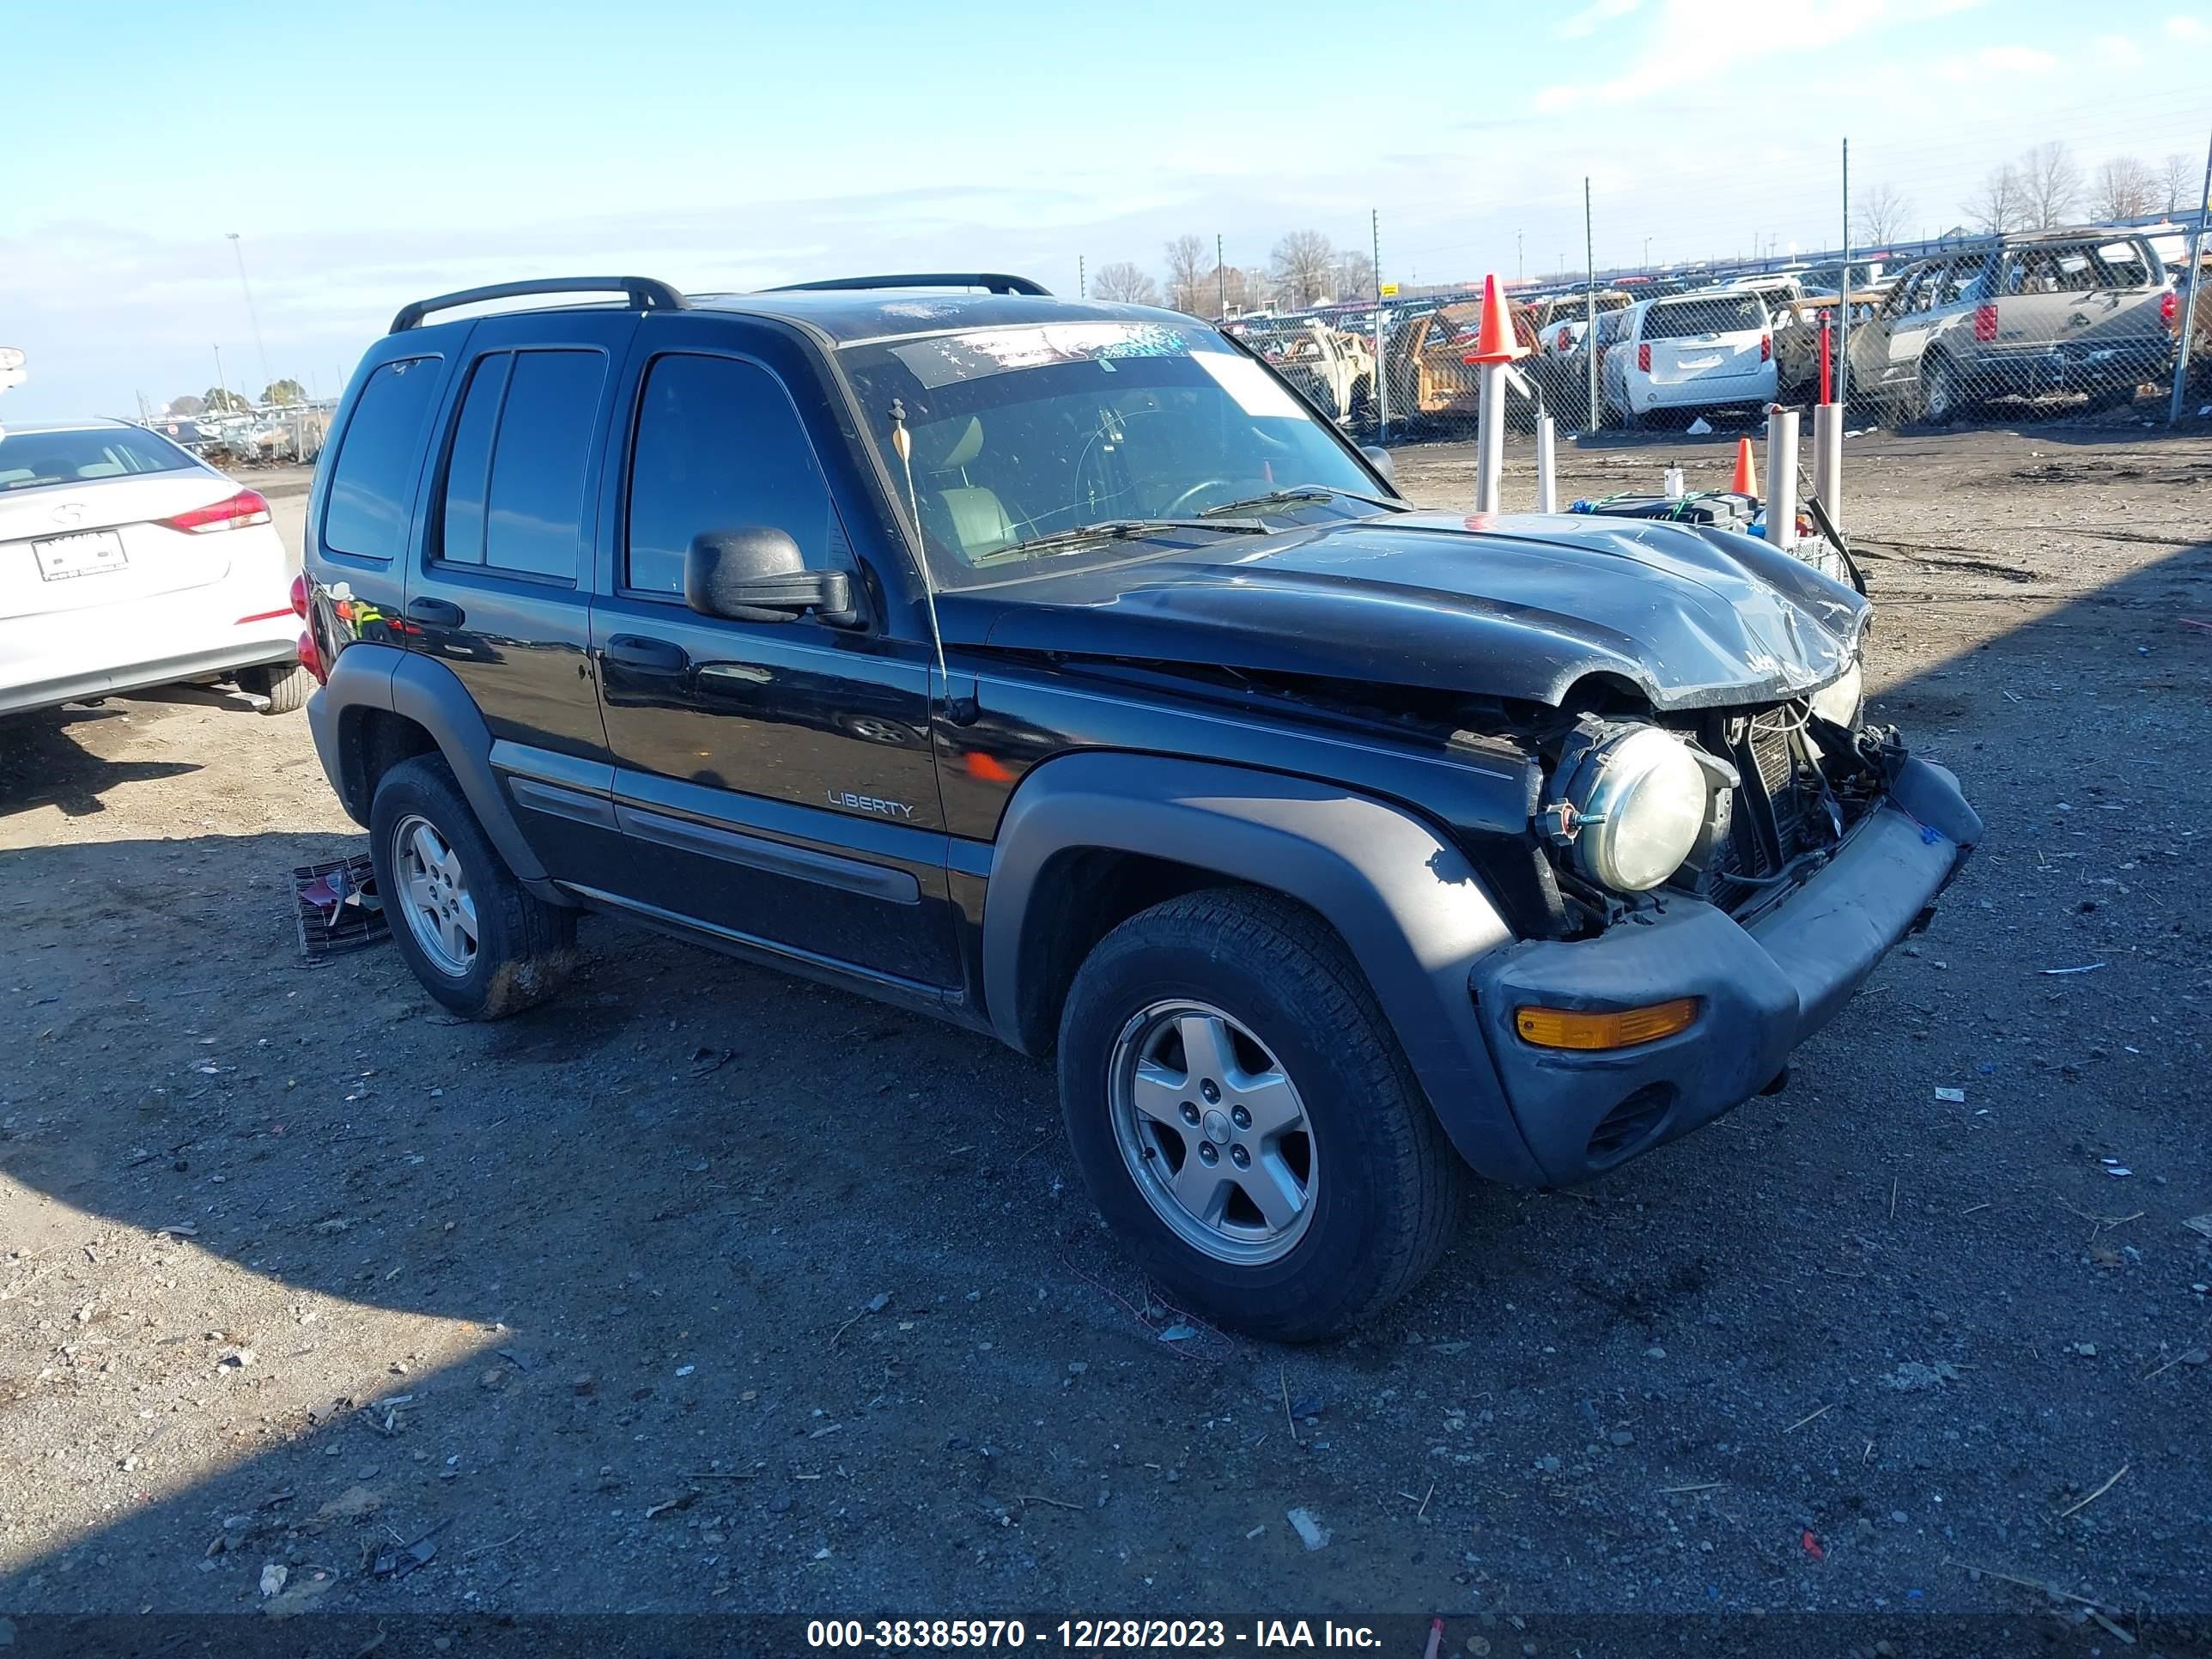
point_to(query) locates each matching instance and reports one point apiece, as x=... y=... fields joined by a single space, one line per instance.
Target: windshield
x=28 y=460
x=1020 y=434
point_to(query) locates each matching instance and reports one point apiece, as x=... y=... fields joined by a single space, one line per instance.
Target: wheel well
x=1082 y=895
x=372 y=741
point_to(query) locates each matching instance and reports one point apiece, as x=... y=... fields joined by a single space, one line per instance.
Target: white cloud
x=1678 y=51
x=2119 y=51
x=1993 y=60
x=1587 y=20
x=2182 y=27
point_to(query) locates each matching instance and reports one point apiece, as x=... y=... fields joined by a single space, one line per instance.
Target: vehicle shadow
x=708 y=1289
x=43 y=763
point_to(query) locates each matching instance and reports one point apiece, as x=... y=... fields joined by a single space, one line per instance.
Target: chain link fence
x=1928 y=286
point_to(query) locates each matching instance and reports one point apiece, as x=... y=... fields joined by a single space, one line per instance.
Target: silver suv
x=2023 y=315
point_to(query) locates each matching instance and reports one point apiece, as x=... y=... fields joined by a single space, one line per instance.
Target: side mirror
x=755 y=573
x=1380 y=457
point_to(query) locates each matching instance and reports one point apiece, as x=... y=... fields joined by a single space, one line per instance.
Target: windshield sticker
x=947 y=358
x=1255 y=391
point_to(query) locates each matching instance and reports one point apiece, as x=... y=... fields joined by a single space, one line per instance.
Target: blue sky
x=370 y=154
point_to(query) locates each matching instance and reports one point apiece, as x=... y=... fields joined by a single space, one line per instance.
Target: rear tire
x=480 y=944
x=1353 y=1204
x=1941 y=392
x=286 y=689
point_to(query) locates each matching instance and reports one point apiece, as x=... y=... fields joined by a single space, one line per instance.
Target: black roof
x=847 y=310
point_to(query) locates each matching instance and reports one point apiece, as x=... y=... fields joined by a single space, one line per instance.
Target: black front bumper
x=1763 y=988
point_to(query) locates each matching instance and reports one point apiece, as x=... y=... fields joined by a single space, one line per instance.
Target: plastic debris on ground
x=1698 y=428
x=1308 y=1526
x=1959 y=1096
x=337 y=906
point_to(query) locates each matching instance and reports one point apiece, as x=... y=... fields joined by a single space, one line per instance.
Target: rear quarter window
x=371 y=494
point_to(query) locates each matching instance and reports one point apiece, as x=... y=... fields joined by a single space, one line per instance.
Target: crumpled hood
x=1512 y=607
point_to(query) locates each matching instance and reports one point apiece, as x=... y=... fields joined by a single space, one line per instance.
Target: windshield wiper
x=1302 y=493
x=1127 y=530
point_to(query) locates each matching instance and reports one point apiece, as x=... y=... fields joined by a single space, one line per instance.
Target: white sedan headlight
x=1838 y=702
x=1636 y=805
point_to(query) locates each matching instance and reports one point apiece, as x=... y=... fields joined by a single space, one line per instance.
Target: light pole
x=259 y=351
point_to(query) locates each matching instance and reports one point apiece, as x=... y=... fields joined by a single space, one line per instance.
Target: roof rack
x=645 y=293
x=996 y=282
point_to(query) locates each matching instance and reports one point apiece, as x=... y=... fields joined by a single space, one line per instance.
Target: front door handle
x=656 y=656
x=439 y=613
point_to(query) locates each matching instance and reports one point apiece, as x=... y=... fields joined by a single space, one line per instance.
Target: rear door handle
x=439 y=613
x=658 y=656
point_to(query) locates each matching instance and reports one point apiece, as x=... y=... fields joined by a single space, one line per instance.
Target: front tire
x=480 y=944
x=1245 y=1121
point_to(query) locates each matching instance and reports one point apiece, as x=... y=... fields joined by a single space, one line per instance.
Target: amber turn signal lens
x=1571 y=1028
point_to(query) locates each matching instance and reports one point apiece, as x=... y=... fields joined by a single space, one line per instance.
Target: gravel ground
x=707 y=1289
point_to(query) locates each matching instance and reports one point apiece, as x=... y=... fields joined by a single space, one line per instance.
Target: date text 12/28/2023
x=1084 y=1635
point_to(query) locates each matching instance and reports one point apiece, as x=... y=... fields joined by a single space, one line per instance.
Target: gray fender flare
x=368 y=675
x=1406 y=902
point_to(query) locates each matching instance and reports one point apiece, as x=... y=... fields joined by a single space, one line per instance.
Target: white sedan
x=126 y=563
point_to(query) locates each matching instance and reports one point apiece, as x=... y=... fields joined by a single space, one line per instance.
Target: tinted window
x=533 y=518
x=372 y=480
x=719 y=445
x=468 y=470
x=1732 y=314
x=29 y=459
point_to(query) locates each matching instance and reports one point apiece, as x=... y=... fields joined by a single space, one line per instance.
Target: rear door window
x=1728 y=313
x=718 y=446
x=513 y=497
x=372 y=496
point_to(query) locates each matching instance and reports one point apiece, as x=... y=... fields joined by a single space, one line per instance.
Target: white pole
x=1782 y=479
x=1490 y=438
x=1828 y=460
x=1547 y=476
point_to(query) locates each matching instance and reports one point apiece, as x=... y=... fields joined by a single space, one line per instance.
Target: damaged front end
x=1737 y=805
x=1736 y=875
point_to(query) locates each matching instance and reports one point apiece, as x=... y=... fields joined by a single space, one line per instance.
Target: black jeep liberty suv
x=1058 y=670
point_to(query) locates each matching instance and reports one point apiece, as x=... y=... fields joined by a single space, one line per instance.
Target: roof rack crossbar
x=993 y=281
x=645 y=293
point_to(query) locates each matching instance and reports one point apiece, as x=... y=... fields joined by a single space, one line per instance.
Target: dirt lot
x=707 y=1290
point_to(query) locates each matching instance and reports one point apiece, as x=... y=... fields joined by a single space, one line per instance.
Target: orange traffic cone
x=1746 y=480
x=1494 y=342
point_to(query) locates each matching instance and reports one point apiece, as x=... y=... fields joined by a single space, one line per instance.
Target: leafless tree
x=2050 y=181
x=2123 y=188
x=1879 y=216
x=1304 y=265
x=1355 y=274
x=1125 y=282
x=2001 y=202
x=187 y=404
x=2179 y=182
x=1187 y=288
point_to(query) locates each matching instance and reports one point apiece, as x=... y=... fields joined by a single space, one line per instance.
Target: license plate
x=87 y=555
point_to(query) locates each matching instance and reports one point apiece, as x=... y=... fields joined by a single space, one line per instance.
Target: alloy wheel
x=433 y=895
x=1213 y=1131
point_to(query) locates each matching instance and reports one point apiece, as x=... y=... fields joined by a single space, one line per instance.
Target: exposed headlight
x=1633 y=809
x=1838 y=702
